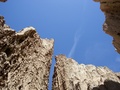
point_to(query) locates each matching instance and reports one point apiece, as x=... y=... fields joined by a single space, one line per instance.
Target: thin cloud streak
x=77 y=36
x=78 y=33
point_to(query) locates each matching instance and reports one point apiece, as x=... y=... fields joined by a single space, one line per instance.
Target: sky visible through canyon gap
x=75 y=25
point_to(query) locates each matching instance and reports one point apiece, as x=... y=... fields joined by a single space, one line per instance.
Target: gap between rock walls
x=51 y=73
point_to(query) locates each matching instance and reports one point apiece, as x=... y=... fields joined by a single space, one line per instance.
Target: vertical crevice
x=51 y=74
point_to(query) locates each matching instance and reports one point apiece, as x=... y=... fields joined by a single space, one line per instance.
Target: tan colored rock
x=25 y=59
x=69 y=75
x=118 y=74
x=111 y=9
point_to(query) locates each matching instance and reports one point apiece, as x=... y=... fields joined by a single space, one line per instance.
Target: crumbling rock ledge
x=69 y=75
x=25 y=59
x=111 y=9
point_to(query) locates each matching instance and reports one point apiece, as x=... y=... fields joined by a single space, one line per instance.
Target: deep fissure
x=51 y=73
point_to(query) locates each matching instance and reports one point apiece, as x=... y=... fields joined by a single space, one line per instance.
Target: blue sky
x=75 y=25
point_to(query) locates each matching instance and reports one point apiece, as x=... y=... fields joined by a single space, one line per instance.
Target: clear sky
x=75 y=25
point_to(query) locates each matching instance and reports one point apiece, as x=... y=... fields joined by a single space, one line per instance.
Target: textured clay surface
x=69 y=75
x=25 y=59
x=111 y=9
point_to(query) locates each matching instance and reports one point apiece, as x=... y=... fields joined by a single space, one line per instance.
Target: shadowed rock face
x=108 y=85
x=111 y=9
x=25 y=59
x=3 y=0
x=69 y=75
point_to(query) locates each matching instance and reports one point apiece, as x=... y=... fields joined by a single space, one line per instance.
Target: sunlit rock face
x=69 y=75
x=25 y=59
x=111 y=9
x=3 y=0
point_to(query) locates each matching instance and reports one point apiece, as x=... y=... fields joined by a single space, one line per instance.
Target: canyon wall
x=25 y=59
x=111 y=9
x=69 y=75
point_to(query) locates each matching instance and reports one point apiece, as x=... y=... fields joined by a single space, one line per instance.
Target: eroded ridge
x=25 y=59
x=69 y=75
x=111 y=9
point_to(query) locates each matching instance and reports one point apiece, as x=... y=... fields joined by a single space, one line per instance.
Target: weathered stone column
x=25 y=59
x=69 y=75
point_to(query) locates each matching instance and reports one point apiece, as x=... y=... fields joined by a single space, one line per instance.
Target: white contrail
x=72 y=49
x=77 y=36
x=78 y=33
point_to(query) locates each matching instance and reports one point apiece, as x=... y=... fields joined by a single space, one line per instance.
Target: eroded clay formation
x=111 y=9
x=25 y=59
x=69 y=75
